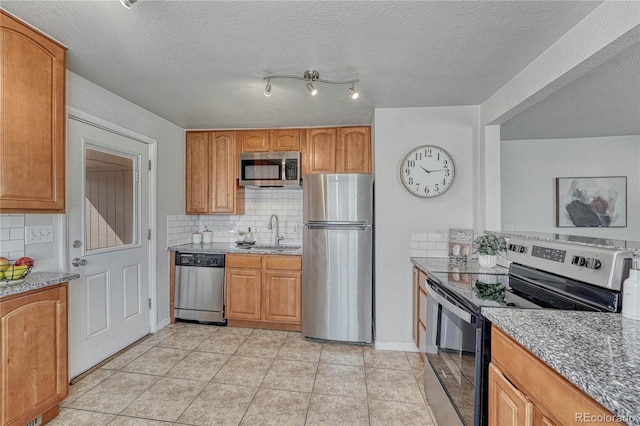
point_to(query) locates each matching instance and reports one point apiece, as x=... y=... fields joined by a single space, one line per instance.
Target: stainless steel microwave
x=270 y=169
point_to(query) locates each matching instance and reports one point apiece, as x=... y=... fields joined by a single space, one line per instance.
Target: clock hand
x=439 y=170
x=425 y=169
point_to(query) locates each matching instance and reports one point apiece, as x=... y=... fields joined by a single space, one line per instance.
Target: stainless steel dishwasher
x=199 y=287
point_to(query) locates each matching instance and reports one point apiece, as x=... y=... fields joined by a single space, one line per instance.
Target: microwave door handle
x=460 y=313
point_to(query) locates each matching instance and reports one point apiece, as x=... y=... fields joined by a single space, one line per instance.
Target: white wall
x=92 y=99
x=398 y=214
x=530 y=166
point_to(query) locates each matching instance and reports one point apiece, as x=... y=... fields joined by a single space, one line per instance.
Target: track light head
x=312 y=89
x=128 y=3
x=267 y=90
x=353 y=93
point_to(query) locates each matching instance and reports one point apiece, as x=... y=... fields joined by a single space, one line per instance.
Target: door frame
x=76 y=114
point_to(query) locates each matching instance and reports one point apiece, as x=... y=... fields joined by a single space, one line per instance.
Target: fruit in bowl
x=15 y=272
x=24 y=261
x=4 y=264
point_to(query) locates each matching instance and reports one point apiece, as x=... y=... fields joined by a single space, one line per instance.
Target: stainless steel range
x=542 y=275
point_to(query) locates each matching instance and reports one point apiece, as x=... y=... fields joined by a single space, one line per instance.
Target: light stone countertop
x=596 y=351
x=34 y=281
x=233 y=248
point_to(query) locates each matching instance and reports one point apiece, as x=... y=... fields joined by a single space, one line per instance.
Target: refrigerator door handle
x=338 y=225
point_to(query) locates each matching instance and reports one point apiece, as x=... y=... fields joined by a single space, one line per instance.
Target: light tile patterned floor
x=191 y=374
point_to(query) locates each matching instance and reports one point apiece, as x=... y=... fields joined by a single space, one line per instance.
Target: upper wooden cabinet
x=270 y=140
x=211 y=174
x=337 y=150
x=33 y=355
x=32 y=134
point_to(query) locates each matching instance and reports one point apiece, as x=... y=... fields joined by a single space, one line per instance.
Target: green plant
x=490 y=244
x=485 y=291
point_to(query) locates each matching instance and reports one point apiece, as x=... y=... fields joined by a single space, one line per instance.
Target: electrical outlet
x=39 y=234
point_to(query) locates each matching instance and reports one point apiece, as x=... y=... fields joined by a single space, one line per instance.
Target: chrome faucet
x=278 y=236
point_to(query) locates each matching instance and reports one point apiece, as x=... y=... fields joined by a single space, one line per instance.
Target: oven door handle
x=457 y=311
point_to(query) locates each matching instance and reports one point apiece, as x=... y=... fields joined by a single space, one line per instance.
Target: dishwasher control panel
x=202 y=260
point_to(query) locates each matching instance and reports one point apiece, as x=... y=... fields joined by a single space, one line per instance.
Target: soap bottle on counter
x=248 y=237
x=631 y=292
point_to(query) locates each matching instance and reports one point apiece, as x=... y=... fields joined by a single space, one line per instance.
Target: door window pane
x=109 y=200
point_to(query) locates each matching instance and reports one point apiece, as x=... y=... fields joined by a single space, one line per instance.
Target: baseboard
x=397 y=346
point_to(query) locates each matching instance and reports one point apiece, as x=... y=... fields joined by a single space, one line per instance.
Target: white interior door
x=108 y=221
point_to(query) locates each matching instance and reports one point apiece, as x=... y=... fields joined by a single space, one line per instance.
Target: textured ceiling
x=200 y=64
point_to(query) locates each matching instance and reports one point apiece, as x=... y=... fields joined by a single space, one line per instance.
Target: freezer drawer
x=337 y=283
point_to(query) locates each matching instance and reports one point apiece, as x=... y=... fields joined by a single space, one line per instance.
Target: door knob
x=78 y=262
x=77 y=244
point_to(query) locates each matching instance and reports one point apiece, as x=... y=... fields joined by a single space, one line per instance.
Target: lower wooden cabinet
x=264 y=291
x=33 y=368
x=419 y=322
x=524 y=391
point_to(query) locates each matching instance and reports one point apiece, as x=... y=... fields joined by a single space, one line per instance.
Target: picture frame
x=598 y=201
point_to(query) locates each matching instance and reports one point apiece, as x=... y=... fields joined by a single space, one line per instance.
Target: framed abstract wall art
x=591 y=201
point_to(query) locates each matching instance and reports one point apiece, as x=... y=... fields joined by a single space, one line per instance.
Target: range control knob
x=593 y=263
x=578 y=260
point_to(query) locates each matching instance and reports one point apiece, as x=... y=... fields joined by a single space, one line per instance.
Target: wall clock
x=427 y=171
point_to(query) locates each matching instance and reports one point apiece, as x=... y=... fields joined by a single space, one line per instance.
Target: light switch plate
x=39 y=234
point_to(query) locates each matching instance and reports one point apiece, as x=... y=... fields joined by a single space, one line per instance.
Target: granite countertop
x=442 y=265
x=233 y=248
x=596 y=351
x=34 y=281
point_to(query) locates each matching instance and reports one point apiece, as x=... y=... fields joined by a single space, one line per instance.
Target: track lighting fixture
x=128 y=3
x=353 y=93
x=311 y=77
x=267 y=90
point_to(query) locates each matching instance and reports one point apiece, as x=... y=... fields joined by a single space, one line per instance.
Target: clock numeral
x=438 y=157
x=444 y=181
x=418 y=156
x=446 y=163
x=410 y=181
x=426 y=189
x=447 y=173
x=411 y=163
x=407 y=171
x=428 y=152
x=418 y=188
x=437 y=188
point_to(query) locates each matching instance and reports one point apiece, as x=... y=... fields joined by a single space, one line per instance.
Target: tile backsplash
x=429 y=244
x=260 y=204
x=12 y=236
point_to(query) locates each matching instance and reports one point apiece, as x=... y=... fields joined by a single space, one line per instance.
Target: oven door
x=454 y=355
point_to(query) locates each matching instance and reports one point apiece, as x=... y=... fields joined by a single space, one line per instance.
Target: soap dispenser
x=631 y=293
x=248 y=237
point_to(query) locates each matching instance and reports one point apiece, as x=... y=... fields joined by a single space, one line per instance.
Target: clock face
x=427 y=171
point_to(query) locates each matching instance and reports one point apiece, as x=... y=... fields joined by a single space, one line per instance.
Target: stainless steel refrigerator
x=337 y=273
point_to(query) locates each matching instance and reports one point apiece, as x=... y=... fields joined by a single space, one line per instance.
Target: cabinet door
x=353 y=150
x=282 y=296
x=321 y=151
x=33 y=354
x=255 y=141
x=32 y=145
x=222 y=180
x=539 y=419
x=243 y=294
x=285 y=140
x=507 y=405
x=197 y=172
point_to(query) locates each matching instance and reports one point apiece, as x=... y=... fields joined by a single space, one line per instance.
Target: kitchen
x=395 y=130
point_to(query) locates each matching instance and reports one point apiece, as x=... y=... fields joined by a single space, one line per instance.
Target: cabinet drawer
x=287 y=263
x=244 y=261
